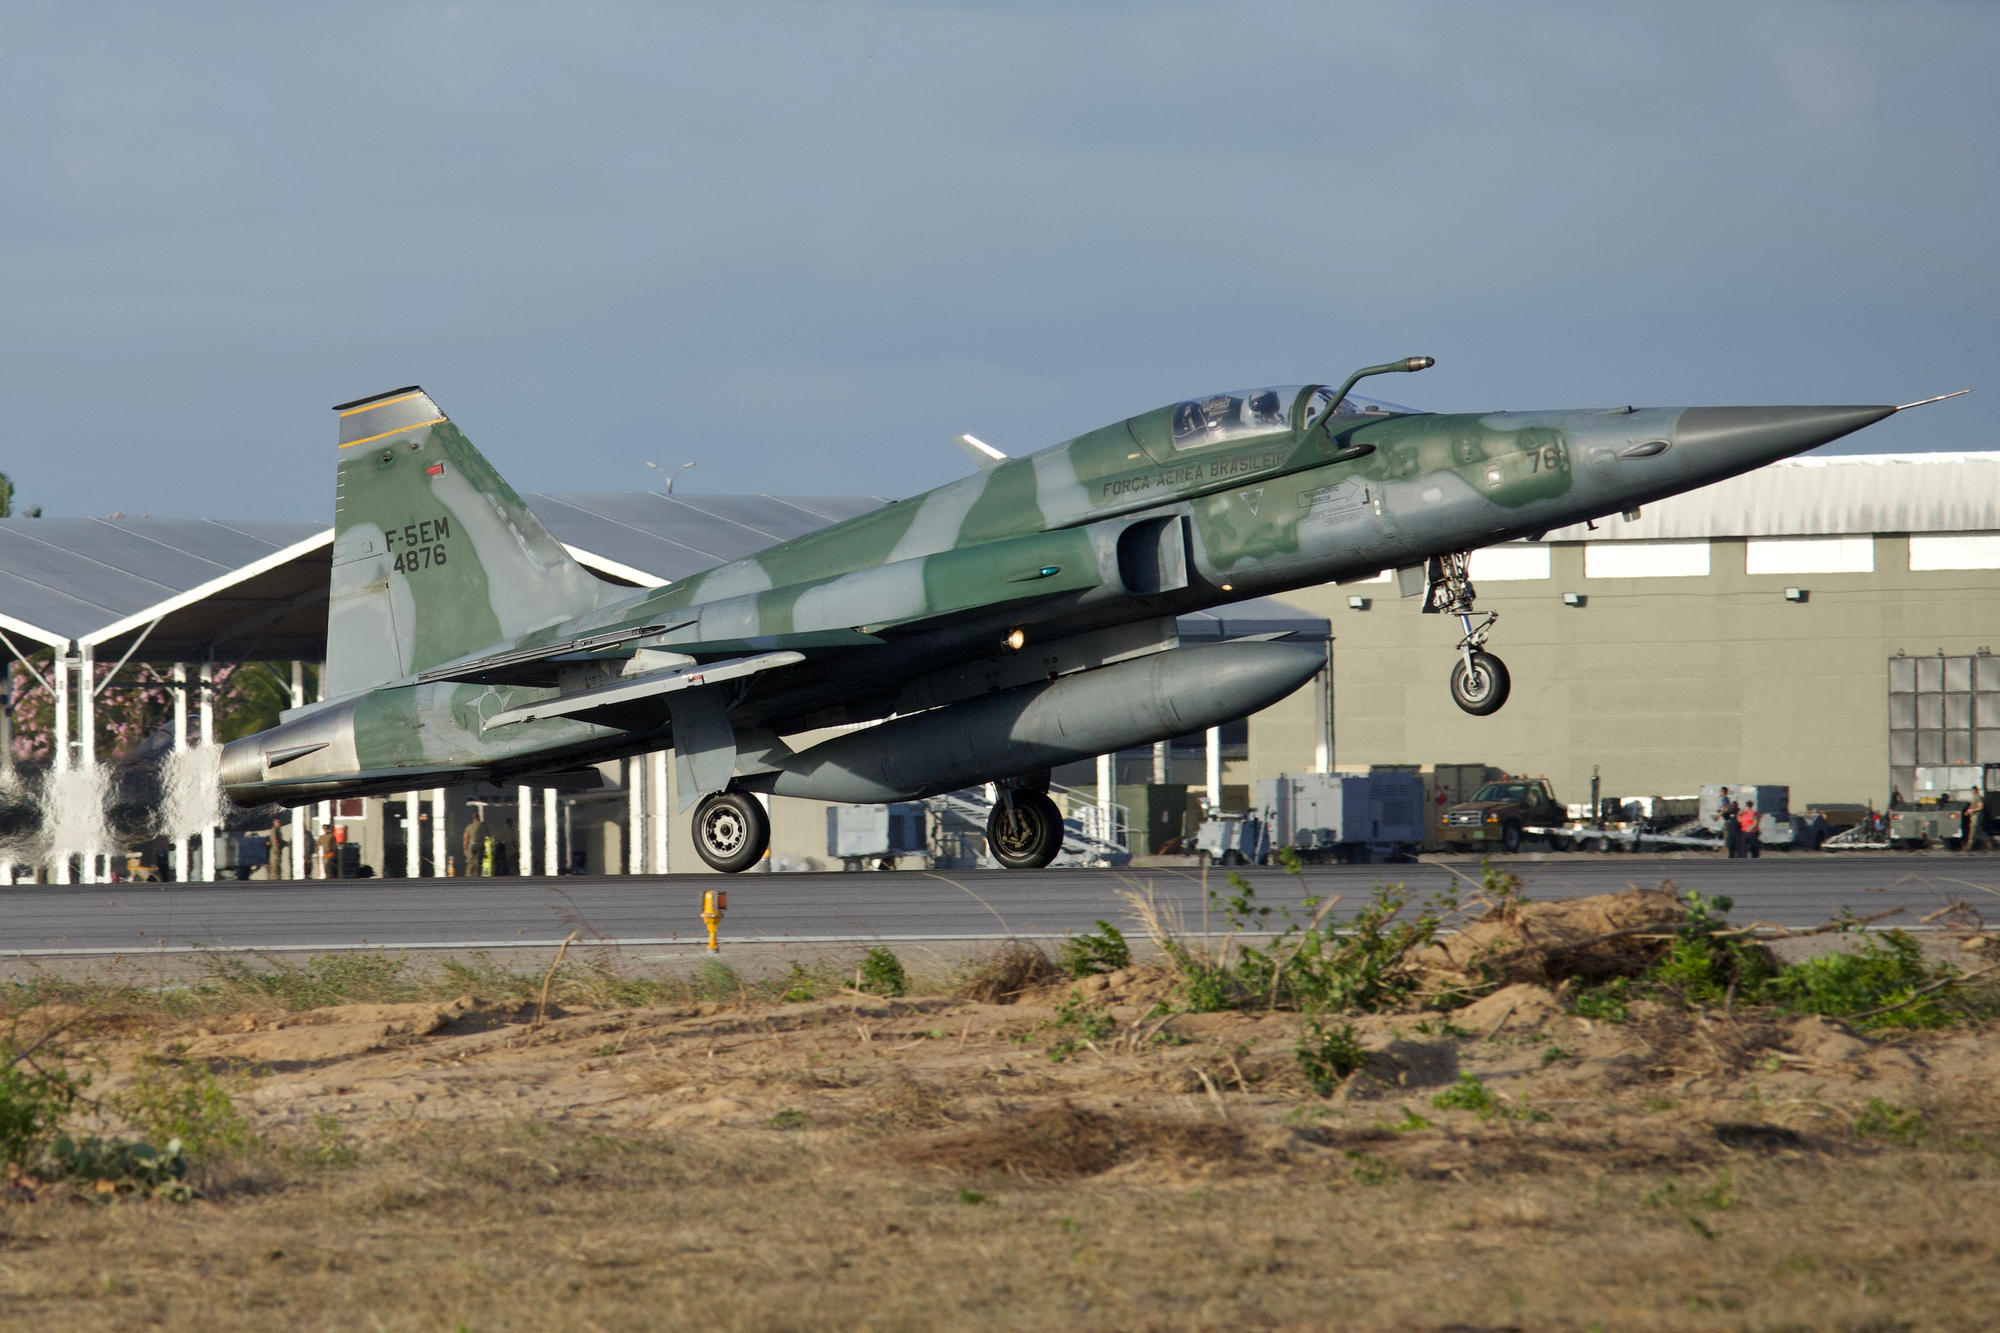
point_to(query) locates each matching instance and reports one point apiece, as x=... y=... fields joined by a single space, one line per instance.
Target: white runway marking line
x=689 y=943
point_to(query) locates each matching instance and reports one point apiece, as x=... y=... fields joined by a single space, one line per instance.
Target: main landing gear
x=1479 y=681
x=731 y=831
x=1025 y=830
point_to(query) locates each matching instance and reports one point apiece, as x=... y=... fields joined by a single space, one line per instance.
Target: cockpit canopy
x=1240 y=412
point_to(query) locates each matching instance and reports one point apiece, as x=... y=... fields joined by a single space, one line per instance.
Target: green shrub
x=1081 y=1025
x=1706 y=966
x=1603 y=1004
x=1886 y=1120
x=1088 y=954
x=34 y=1101
x=1327 y=1056
x=111 y=1167
x=1885 y=970
x=881 y=973
x=1468 y=1094
x=183 y=1101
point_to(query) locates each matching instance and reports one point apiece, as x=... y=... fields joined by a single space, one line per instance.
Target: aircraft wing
x=617 y=694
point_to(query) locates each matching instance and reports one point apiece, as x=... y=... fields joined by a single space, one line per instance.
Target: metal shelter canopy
x=648 y=539
x=190 y=590
x=195 y=583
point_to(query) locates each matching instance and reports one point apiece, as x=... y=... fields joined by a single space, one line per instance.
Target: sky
x=803 y=246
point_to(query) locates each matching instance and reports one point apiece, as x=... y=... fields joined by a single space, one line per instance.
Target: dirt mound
x=1519 y=1008
x=1606 y=935
x=330 y=1033
x=1014 y=971
x=1064 y=1142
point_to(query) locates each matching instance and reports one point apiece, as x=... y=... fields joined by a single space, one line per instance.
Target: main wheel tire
x=1510 y=837
x=1483 y=689
x=1028 y=836
x=731 y=831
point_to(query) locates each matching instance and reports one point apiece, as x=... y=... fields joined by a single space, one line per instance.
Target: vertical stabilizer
x=434 y=554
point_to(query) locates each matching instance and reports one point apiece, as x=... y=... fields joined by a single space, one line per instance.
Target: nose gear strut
x=1479 y=681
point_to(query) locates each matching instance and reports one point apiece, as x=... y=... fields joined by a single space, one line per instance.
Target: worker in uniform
x=472 y=846
x=328 y=848
x=276 y=867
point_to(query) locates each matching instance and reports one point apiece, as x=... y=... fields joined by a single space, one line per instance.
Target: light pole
x=669 y=475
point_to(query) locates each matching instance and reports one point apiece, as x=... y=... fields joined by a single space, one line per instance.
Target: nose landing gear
x=1479 y=681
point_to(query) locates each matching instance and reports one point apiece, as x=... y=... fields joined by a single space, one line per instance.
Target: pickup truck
x=1500 y=810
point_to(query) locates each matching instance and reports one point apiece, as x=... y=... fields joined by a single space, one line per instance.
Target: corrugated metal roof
x=1833 y=495
x=673 y=536
x=71 y=576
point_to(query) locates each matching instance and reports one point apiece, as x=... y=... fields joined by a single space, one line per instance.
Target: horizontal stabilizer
x=657 y=683
x=537 y=666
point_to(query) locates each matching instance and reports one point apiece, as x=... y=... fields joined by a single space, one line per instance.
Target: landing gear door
x=704 y=743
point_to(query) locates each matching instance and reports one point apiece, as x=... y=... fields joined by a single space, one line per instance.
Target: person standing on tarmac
x=1732 y=833
x=276 y=867
x=472 y=847
x=1752 y=843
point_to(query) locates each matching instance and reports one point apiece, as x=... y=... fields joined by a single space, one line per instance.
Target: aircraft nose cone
x=1754 y=435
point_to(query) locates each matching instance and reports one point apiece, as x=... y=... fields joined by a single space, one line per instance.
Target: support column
x=1104 y=795
x=413 y=835
x=1213 y=749
x=635 y=815
x=438 y=844
x=658 y=820
x=86 y=739
x=1163 y=761
x=1325 y=746
x=524 y=835
x=298 y=811
x=60 y=855
x=207 y=701
x=180 y=743
x=551 y=842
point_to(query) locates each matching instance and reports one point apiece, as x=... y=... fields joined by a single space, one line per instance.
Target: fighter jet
x=1016 y=619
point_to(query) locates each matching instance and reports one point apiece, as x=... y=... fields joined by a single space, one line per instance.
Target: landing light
x=1017 y=640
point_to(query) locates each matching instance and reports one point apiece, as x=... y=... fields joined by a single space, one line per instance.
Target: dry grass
x=925 y=1163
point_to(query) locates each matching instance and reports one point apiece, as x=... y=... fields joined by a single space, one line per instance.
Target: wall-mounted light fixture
x=1797 y=595
x=1357 y=603
x=1574 y=599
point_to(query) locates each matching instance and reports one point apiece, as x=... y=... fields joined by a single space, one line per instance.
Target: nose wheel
x=1479 y=680
x=1479 y=683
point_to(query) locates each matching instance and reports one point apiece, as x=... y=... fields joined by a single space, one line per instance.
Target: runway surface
x=902 y=905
